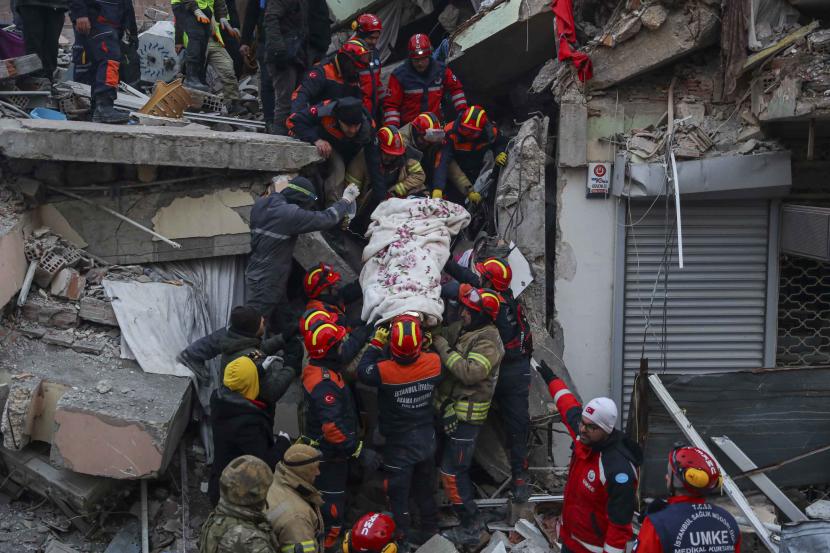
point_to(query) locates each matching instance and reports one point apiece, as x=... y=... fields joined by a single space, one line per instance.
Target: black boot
x=520 y=489
x=191 y=80
x=235 y=107
x=105 y=112
x=468 y=533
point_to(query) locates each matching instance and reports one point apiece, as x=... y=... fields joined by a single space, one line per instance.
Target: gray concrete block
x=312 y=248
x=89 y=346
x=498 y=543
x=59 y=338
x=437 y=544
x=97 y=311
x=573 y=152
x=136 y=144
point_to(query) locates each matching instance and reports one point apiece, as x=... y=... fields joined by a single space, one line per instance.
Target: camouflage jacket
x=236 y=529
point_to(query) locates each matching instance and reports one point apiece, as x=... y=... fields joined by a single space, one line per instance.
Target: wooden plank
x=16 y=67
x=790 y=39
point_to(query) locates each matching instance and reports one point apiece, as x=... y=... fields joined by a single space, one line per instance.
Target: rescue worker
x=686 y=521
x=600 y=494
x=420 y=85
x=400 y=172
x=406 y=378
x=468 y=139
x=367 y=27
x=471 y=356
x=286 y=52
x=294 y=503
x=241 y=422
x=238 y=522
x=100 y=26
x=513 y=386
x=372 y=533
x=195 y=19
x=340 y=129
x=42 y=26
x=425 y=136
x=277 y=218
x=330 y=423
x=320 y=285
x=337 y=78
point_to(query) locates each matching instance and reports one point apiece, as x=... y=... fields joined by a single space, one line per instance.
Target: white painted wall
x=584 y=278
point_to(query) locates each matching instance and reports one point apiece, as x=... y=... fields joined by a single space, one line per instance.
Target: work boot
x=468 y=534
x=235 y=107
x=105 y=112
x=191 y=80
x=520 y=490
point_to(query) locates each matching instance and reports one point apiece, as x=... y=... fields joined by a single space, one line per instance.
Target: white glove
x=351 y=193
x=270 y=361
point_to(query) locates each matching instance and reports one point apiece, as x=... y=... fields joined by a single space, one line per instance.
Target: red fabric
x=405 y=94
x=566 y=33
x=648 y=541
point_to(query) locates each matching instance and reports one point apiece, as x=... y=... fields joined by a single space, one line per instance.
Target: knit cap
x=601 y=411
x=302 y=459
x=241 y=376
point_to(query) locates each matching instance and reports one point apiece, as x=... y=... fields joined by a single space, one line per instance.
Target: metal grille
x=803 y=313
x=715 y=306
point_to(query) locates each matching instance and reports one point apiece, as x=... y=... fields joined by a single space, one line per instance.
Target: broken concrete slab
x=48 y=312
x=437 y=544
x=498 y=543
x=573 y=151
x=13 y=262
x=97 y=311
x=16 y=67
x=682 y=32
x=122 y=436
x=59 y=337
x=68 y=284
x=529 y=531
x=136 y=144
x=312 y=248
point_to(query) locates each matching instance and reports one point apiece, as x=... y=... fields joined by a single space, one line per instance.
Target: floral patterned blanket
x=409 y=243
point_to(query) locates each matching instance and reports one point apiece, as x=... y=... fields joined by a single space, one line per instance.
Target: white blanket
x=409 y=243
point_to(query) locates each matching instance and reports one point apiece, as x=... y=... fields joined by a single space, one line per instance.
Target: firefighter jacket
x=600 y=495
x=318 y=122
x=405 y=392
x=472 y=362
x=330 y=414
x=469 y=154
x=686 y=523
x=335 y=303
x=325 y=81
x=400 y=181
x=231 y=528
x=411 y=93
x=372 y=88
x=293 y=512
x=512 y=324
x=428 y=158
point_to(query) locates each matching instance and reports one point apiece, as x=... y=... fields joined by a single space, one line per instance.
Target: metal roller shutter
x=715 y=311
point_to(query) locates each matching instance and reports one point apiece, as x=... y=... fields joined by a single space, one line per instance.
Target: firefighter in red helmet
x=420 y=84
x=372 y=533
x=406 y=377
x=324 y=291
x=367 y=27
x=686 y=521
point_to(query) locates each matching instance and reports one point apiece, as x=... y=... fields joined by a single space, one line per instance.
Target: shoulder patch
x=621 y=478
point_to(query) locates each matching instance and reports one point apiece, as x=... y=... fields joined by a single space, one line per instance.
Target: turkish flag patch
x=589 y=410
x=312 y=74
x=329 y=399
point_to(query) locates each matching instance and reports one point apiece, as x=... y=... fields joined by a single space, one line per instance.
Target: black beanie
x=349 y=110
x=245 y=320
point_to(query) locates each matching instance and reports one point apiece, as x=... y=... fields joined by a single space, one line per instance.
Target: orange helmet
x=419 y=46
x=407 y=338
x=318 y=279
x=694 y=469
x=357 y=51
x=390 y=141
x=473 y=120
x=312 y=317
x=497 y=271
x=321 y=338
x=367 y=23
x=372 y=533
x=480 y=300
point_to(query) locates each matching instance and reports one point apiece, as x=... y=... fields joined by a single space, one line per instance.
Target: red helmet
x=390 y=141
x=497 y=271
x=367 y=23
x=419 y=47
x=357 y=51
x=406 y=338
x=318 y=279
x=473 y=120
x=480 y=300
x=321 y=338
x=312 y=317
x=372 y=533
x=428 y=126
x=694 y=469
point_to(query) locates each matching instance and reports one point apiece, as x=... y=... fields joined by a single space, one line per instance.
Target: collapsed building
x=669 y=214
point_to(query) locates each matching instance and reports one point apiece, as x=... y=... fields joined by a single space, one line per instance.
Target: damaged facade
x=669 y=215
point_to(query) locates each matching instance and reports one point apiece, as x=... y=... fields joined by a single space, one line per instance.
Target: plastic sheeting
x=409 y=243
x=805 y=537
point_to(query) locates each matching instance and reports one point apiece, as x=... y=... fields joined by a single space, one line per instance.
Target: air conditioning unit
x=805 y=231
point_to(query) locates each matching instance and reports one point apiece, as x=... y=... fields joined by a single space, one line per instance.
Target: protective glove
x=381 y=337
x=427 y=339
x=270 y=360
x=228 y=28
x=474 y=197
x=501 y=159
x=437 y=194
x=449 y=419
x=369 y=459
x=201 y=17
x=351 y=193
x=546 y=372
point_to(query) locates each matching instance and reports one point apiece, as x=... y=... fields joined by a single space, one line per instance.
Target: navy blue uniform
x=469 y=154
x=405 y=418
x=513 y=386
x=689 y=524
x=97 y=55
